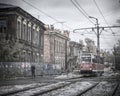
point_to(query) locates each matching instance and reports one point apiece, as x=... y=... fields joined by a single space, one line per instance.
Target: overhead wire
x=99 y=11
x=40 y=10
x=103 y=16
x=104 y=20
x=109 y=44
x=44 y=13
x=80 y=9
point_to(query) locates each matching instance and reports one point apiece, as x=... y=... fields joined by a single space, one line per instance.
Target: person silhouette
x=33 y=71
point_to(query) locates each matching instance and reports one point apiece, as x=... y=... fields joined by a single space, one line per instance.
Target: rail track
x=73 y=87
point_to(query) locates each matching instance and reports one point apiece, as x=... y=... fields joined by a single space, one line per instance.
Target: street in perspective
x=59 y=48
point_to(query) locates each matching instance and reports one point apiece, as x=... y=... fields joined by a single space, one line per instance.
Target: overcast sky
x=65 y=11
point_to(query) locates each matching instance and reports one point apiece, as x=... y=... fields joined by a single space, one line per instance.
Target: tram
x=91 y=65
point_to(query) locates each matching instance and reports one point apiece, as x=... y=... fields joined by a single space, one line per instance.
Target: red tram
x=91 y=64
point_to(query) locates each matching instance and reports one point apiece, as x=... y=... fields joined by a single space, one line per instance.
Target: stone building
x=21 y=38
x=56 y=47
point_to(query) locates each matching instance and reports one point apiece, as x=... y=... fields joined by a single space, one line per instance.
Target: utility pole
x=98 y=33
x=98 y=36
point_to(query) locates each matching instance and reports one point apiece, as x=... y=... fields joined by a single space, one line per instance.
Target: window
x=18 y=29
x=86 y=59
x=3 y=30
x=34 y=34
x=24 y=30
x=42 y=40
x=3 y=26
x=29 y=31
x=37 y=35
x=41 y=37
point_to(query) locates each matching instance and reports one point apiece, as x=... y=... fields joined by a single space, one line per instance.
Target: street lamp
x=94 y=18
x=98 y=35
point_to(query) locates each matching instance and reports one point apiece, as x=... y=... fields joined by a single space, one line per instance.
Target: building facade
x=21 y=38
x=56 y=47
x=74 y=56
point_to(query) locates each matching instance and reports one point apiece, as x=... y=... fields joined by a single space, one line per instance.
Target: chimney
x=66 y=33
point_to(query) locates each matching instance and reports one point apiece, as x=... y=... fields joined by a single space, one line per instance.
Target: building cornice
x=19 y=10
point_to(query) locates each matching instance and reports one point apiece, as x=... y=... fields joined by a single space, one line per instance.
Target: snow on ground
x=7 y=89
x=68 y=76
x=102 y=89
x=42 y=89
x=110 y=73
x=71 y=90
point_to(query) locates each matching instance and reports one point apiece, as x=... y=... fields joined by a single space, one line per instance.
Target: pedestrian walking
x=33 y=71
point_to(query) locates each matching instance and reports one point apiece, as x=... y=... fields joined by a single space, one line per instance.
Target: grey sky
x=64 y=10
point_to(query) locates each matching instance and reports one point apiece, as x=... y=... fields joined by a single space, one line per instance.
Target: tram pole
x=98 y=38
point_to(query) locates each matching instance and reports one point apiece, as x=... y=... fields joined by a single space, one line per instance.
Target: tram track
x=9 y=92
x=72 y=89
x=102 y=89
x=92 y=86
x=87 y=89
x=41 y=90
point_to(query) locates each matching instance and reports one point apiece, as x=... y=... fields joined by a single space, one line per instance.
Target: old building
x=21 y=38
x=56 y=47
x=74 y=56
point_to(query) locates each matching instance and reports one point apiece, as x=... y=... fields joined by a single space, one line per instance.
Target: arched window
x=29 y=31
x=19 y=27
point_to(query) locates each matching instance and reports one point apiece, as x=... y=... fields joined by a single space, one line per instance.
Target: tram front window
x=86 y=59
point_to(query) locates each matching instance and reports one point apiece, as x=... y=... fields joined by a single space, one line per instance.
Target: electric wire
x=81 y=10
x=102 y=15
x=102 y=37
x=104 y=20
x=44 y=13
x=40 y=11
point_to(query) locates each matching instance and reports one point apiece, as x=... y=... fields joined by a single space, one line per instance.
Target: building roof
x=9 y=8
x=2 y=5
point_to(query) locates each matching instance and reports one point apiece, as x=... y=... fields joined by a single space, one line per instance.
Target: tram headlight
x=90 y=68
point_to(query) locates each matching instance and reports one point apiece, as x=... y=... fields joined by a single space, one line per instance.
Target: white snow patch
x=68 y=76
x=42 y=89
x=6 y=89
x=71 y=90
x=110 y=73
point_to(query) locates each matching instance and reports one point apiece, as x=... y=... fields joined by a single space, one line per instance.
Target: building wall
x=55 y=47
x=22 y=36
x=47 y=58
x=59 y=50
x=74 y=57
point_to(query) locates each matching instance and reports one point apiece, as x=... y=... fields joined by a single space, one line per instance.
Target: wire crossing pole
x=98 y=41
x=98 y=33
x=98 y=38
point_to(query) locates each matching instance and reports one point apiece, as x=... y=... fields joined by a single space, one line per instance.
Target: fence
x=16 y=69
